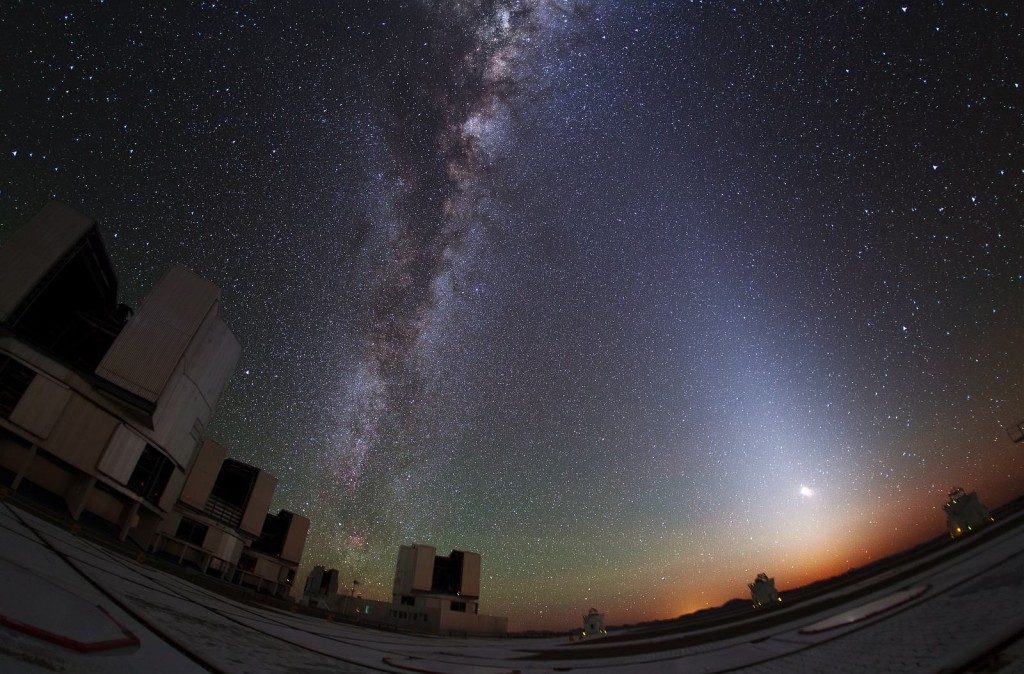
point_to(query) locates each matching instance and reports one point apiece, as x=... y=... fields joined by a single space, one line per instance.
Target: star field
x=635 y=299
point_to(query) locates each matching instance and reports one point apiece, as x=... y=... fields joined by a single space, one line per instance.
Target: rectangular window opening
x=191 y=532
x=152 y=472
x=14 y=381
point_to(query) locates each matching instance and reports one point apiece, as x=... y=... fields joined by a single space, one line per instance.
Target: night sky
x=635 y=299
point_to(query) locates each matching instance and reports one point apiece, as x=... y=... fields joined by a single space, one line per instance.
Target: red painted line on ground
x=126 y=641
x=121 y=604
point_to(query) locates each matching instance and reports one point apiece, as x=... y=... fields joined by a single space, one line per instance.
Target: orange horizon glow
x=925 y=520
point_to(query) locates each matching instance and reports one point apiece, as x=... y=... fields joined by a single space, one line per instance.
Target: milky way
x=446 y=117
x=636 y=299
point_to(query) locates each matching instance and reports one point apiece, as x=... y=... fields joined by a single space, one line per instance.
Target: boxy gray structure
x=100 y=406
x=107 y=409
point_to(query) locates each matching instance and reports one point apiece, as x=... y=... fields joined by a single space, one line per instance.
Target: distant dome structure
x=763 y=592
x=965 y=513
x=593 y=623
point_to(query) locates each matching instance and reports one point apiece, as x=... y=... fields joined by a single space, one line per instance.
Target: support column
x=23 y=469
x=128 y=515
x=78 y=495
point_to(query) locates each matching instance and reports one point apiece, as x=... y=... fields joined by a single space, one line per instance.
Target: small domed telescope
x=965 y=514
x=593 y=623
x=763 y=592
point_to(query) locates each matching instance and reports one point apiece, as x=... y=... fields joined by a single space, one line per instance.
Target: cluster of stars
x=635 y=299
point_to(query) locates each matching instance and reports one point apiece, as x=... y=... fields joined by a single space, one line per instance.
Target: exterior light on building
x=964 y=512
x=762 y=591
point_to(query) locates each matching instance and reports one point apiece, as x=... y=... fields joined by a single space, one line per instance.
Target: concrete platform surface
x=941 y=612
x=66 y=619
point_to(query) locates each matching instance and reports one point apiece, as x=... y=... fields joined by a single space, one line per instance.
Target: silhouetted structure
x=965 y=513
x=441 y=593
x=431 y=594
x=221 y=525
x=593 y=623
x=763 y=592
x=321 y=588
x=100 y=406
x=107 y=409
x=1016 y=431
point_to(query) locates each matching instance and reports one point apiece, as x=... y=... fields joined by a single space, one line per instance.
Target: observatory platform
x=948 y=607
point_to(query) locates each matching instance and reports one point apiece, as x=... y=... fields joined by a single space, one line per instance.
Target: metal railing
x=223 y=512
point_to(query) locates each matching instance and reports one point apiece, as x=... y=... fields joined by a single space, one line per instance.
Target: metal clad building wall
x=41 y=406
x=173 y=490
x=81 y=434
x=33 y=249
x=143 y=357
x=295 y=541
x=181 y=299
x=122 y=454
x=470 y=574
x=176 y=414
x=151 y=345
x=332 y=582
x=223 y=545
x=404 y=570
x=267 y=569
x=313 y=579
x=192 y=394
x=259 y=503
x=423 y=567
x=169 y=525
x=212 y=358
x=203 y=474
